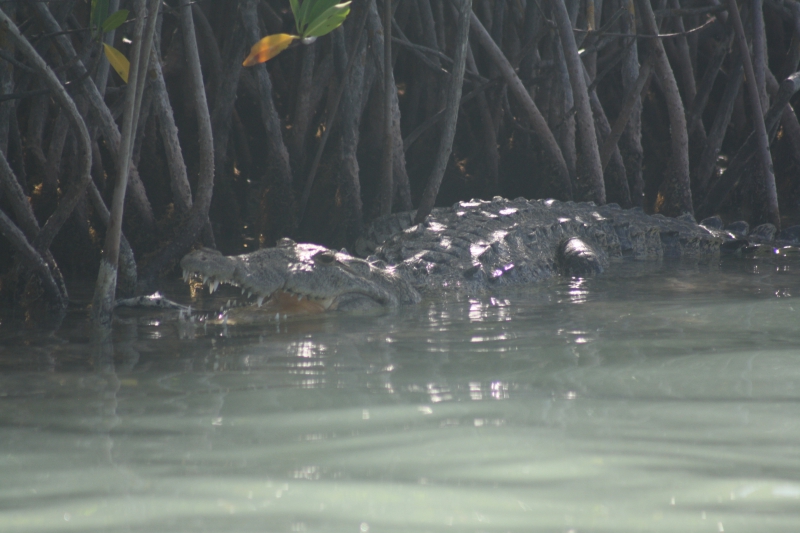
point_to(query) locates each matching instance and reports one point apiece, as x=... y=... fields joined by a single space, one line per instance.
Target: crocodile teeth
x=229 y=303
x=260 y=300
x=277 y=317
x=299 y=297
x=212 y=287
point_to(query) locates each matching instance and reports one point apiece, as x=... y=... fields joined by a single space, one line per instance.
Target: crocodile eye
x=325 y=258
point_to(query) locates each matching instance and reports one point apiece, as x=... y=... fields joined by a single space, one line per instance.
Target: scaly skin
x=469 y=247
x=306 y=277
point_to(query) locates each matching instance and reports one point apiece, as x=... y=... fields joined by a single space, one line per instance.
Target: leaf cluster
x=101 y=22
x=313 y=18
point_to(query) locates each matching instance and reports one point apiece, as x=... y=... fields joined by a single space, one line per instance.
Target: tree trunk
x=708 y=160
x=333 y=107
x=349 y=184
x=555 y=159
x=675 y=195
x=739 y=163
x=588 y=171
x=454 y=86
x=103 y=300
x=767 y=178
x=189 y=230
x=387 y=157
x=302 y=108
x=402 y=190
x=283 y=219
x=179 y=181
x=107 y=123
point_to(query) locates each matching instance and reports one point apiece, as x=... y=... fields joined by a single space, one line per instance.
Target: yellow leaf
x=118 y=61
x=268 y=47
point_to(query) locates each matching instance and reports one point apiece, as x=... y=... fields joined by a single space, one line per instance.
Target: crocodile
x=470 y=247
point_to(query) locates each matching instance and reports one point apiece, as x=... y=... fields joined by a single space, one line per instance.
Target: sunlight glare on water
x=652 y=398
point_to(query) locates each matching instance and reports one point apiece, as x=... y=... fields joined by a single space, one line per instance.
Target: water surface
x=657 y=397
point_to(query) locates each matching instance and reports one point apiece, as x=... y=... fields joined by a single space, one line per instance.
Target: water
x=653 y=398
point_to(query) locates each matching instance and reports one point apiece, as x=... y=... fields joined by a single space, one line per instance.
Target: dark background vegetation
x=268 y=121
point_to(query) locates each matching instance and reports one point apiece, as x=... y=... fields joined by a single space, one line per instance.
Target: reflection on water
x=653 y=398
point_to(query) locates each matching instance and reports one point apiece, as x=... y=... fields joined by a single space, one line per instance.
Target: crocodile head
x=292 y=278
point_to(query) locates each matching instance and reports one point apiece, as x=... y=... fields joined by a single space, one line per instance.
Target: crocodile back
x=380 y=229
x=477 y=244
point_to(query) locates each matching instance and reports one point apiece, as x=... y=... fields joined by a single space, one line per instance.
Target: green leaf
x=317 y=8
x=115 y=21
x=327 y=26
x=295 y=5
x=328 y=21
x=118 y=60
x=302 y=14
x=99 y=13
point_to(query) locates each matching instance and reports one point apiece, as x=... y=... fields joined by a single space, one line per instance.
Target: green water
x=653 y=398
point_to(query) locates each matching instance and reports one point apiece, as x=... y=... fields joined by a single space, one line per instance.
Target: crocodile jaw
x=283 y=302
x=287 y=280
